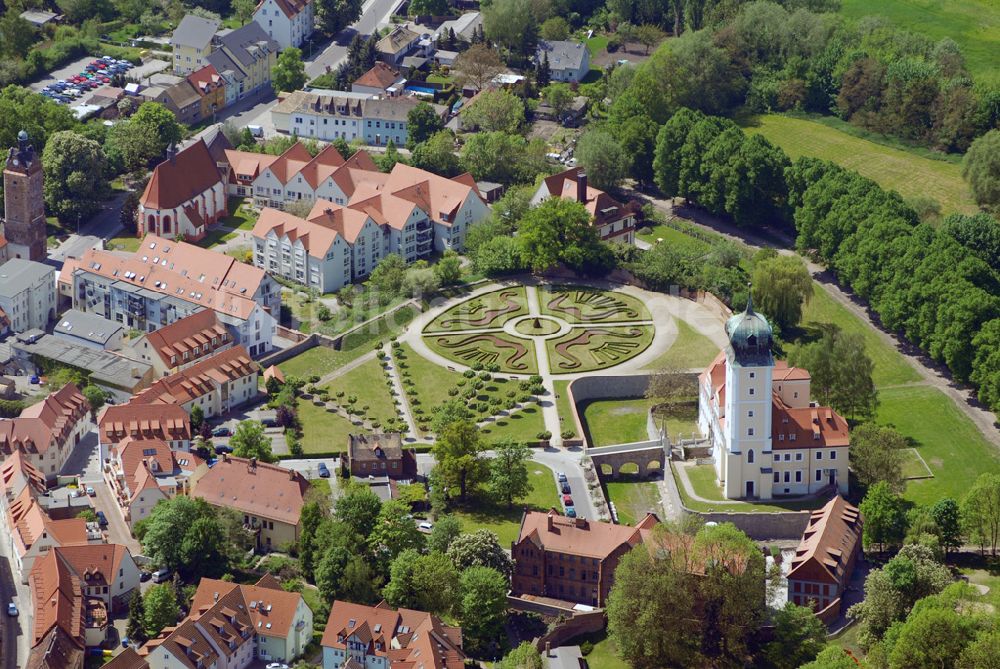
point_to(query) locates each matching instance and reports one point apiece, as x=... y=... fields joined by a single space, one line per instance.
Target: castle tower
x=24 y=204
x=747 y=434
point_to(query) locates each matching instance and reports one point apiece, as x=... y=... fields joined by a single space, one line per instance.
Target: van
x=256 y=130
x=161 y=575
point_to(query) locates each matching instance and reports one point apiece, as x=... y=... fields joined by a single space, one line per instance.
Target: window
x=819 y=455
x=819 y=474
x=751 y=391
x=749 y=414
x=753 y=375
x=787 y=476
x=798 y=457
x=777 y=477
x=833 y=455
x=750 y=456
x=749 y=431
x=798 y=476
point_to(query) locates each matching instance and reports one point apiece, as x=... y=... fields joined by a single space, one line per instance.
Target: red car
x=567 y=500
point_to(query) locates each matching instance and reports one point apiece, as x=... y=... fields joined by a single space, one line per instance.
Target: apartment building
x=241 y=58
x=571 y=559
x=183 y=343
x=47 y=432
x=297 y=176
x=165 y=281
x=327 y=115
x=269 y=497
x=27 y=294
x=191 y=43
x=287 y=22
x=614 y=221
x=216 y=384
x=167 y=423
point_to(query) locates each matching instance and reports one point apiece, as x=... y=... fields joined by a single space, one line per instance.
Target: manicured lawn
x=597 y=347
x=703 y=481
x=125 y=243
x=242 y=216
x=950 y=444
x=674 y=237
x=514 y=355
x=439 y=79
x=913 y=465
x=378 y=329
x=579 y=304
x=322 y=486
x=604 y=655
x=215 y=236
x=597 y=44
x=489 y=310
x=303 y=309
x=523 y=425
x=432 y=381
x=903 y=171
x=564 y=407
x=368 y=383
x=973 y=24
x=634 y=499
x=507 y=522
x=323 y=431
x=318 y=360
x=891 y=368
x=612 y=422
x=690 y=350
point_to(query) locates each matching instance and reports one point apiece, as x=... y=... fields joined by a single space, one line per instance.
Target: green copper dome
x=750 y=337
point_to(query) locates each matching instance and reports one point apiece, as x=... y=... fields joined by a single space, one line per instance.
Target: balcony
x=423 y=248
x=424 y=236
x=423 y=225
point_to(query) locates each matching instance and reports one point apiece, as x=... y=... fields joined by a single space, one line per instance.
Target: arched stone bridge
x=648 y=456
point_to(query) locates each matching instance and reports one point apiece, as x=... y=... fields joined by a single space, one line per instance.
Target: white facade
x=288 y=22
x=190 y=219
x=27 y=294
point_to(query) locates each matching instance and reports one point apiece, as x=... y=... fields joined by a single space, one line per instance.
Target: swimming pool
x=421 y=89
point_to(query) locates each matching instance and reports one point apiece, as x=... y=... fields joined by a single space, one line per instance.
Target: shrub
x=477 y=367
x=511 y=393
x=538 y=389
x=509 y=404
x=485 y=376
x=535 y=379
x=545 y=435
x=468 y=373
x=493 y=367
x=586 y=648
x=314 y=378
x=461 y=382
x=568 y=434
x=340 y=393
x=452 y=392
x=523 y=398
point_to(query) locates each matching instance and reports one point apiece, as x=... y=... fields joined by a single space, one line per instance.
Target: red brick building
x=572 y=559
x=380 y=455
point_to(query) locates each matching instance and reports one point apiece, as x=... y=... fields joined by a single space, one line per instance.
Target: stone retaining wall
x=760 y=526
x=284 y=354
x=588 y=388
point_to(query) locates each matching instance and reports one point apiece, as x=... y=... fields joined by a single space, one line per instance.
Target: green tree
x=495 y=111
x=437 y=154
x=981 y=512
x=948 y=520
x=498 y=256
x=477 y=66
x=394 y=532
x=669 y=142
x=428 y=7
x=288 y=74
x=504 y=158
x=446 y=529
x=335 y=15
x=359 y=509
x=75 y=176
x=311 y=517
x=557 y=231
x=16 y=35
x=424 y=582
x=981 y=168
x=480 y=549
x=483 y=606
x=781 y=286
x=832 y=657
x=387 y=278
x=932 y=636
x=160 y=608
x=512 y=24
x=555 y=28
x=841 y=371
x=422 y=123
x=130 y=209
x=602 y=157
x=330 y=571
x=162 y=532
x=885 y=517
x=358 y=583
x=649 y=35
x=95 y=397
x=249 y=441
x=637 y=137
x=525 y=656
x=509 y=471
x=243 y=10
x=559 y=96
x=136 y=628
x=458 y=452
x=982 y=653
x=197 y=418
x=877 y=455
x=448 y=269
x=799 y=636
x=40 y=117
x=449 y=412
x=135 y=144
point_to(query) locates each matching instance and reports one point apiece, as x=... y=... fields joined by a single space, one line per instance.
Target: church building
x=768 y=439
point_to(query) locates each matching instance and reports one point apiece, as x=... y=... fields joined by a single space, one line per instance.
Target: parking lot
x=79 y=67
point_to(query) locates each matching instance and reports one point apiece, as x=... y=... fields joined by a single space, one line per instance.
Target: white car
x=277 y=665
x=425 y=526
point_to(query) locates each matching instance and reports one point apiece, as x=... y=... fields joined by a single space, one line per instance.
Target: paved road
x=19 y=628
x=373 y=14
x=105 y=224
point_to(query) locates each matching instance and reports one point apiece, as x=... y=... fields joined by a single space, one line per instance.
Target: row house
x=614 y=221
x=47 y=432
x=183 y=343
x=329 y=115
x=165 y=281
x=141 y=473
x=297 y=176
x=287 y=22
x=232 y=626
x=185 y=195
x=166 y=423
x=242 y=58
x=217 y=384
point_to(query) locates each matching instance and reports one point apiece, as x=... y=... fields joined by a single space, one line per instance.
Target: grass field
x=591 y=306
x=507 y=522
x=705 y=485
x=902 y=171
x=124 y=243
x=690 y=350
x=322 y=430
x=633 y=499
x=604 y=348
x=604 y=655
x=368 y=383
x=513 y=354
x=612 y=422
x=973 y=24
x=890 y=367
x=524 y=425
x=566 y=421
x=913 y=465
x=489 y=310
x=319 y=360
x=950 y=444
x=242 y=216
x=675 y=238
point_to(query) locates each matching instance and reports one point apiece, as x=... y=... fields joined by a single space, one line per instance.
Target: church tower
x=24 y=204
x=747 y=430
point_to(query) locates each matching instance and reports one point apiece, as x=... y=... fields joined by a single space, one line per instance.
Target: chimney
x=225 y=457
x=581 y=523
x=291 y=474
x=581 y=187
x=548 y=649
x=552 y=520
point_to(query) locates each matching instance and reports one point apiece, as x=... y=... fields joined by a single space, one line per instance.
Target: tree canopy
x=559 y=230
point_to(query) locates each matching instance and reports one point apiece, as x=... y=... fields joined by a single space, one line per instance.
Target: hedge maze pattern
x=611 y=347
x=487 y=349
x=592 y=306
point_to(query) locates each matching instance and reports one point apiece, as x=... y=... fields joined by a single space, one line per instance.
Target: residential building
x=464 y=27
x=165 y=281
x=380 y=455
x=568 y=61
x=231 y=626
x=571 y=559
x=168 y=423
x=46 y=432
x=287 y=22
x=183 y=343
x=253 y=54
x=27 y=294
x=113 y=373
x=31 y=532
x=16 y=474
x=56 y=650
x=397 y=45
x=379 y=637
x=269 y=497
x=328 y=115
x=824 y=560
x=182 y=99
x=614 y=221
x=89 y=330
x=191 y=43
x=142 y=473
x=380 y=80
x=767 y=438
x=127 y=659
x=24 y=202
x=296 y=175
x=185 y=195
x=244 y=168
x=216 y=384
x=211 y=89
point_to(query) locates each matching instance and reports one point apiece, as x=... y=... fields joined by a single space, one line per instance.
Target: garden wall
x=284 y=354
x=760 y=526
x=588 y=388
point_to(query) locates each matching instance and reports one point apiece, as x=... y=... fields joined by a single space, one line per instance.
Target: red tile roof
x=291 y=8
x=58 y=596
x=830 y=538
x=579 y=536
x=143 y=421
x=806 y=427
x=266 y=491
x=183 y=336
x=205 y=80
x=199 y=379
x=602 y=207
x=380 y=76
x=44 y=423
x=180 y=178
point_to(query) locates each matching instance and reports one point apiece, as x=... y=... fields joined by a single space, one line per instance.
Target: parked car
x=565 y=488
x=324 y=471
x=425 y=526
x=90 y=491
x=223 y=448
x=161 y=575
x=570 y=512
x=222 y=431
x=561 y=477
x=11 y=609
x=567 y=500
x=277 y=665
x=102 y=520
x=144 y=576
